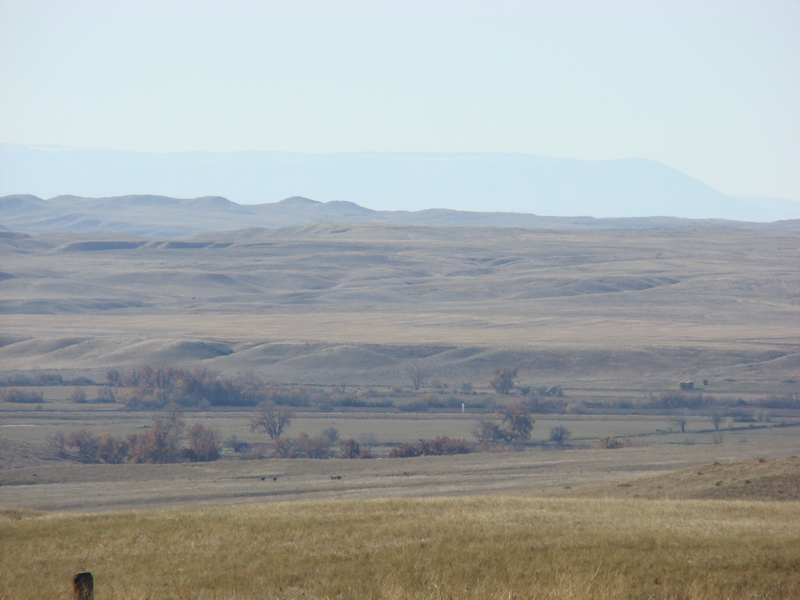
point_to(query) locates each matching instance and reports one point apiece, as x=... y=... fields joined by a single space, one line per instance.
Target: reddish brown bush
x=111 y=450
x=203 y=443
x=432 y=447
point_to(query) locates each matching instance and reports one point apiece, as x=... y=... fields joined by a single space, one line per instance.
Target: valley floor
x=103 y=488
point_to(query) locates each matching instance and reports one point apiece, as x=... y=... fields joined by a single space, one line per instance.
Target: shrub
x=113 y=377
x=541 y=404
x=439 y=446
x=791 y=401
x=19 y=379
x=762 y=415
x=489 y=431
x=22 y=396
x=45 y=379
x=84 y=442
x=405 y=451
x=284 y=448
x=160 y=444
x=203 y=443
x=316 y=447
x=560 y=434
x=78 y=396
x=675 y=400
x=111 y=450
x=331 y=435
x=609 y=442
x=106 y=395
x=58 y=443
x=351 y=449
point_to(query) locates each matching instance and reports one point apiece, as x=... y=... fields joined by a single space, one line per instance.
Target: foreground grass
x=479 y=547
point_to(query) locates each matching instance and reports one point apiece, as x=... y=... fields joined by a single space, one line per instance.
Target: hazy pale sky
x=710 y=87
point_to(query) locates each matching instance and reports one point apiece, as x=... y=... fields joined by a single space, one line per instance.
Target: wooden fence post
x=84 y=586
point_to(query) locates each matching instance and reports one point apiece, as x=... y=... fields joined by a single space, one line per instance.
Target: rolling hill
x=509 y=183
x=160 y=216
x=359 y=303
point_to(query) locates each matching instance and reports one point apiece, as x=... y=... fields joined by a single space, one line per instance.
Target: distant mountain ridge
x=509 y=183
x=165 y=217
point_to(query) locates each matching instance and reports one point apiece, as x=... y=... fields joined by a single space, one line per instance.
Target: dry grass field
x=495 y=547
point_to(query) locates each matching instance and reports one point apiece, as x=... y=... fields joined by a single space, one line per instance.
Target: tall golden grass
x=492 y=547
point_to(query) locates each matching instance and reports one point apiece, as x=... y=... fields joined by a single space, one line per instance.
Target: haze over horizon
x=707 y=88
x=480 y=183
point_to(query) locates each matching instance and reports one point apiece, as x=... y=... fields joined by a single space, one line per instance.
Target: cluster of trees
x=515 y=426
x=503 y=380
x=610 y=442
x=786 y=401
x=439 y=446
x=273 y=420
x=21 y=396
x=161 y=443
x=690 y=401
x=560 y=435
x=43 y=379
x=541 y=399
x=321 y=446
x=153 y=388
x=680 y=400
x=156 y=387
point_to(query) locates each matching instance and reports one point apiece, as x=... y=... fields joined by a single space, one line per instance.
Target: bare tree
x=416 y=374
x=84 y=442
x=503 y=380
x=106 y=394
x=284 y=448
x=331 y=435
x=351 y=449
x=519 y=422
x=271 y=419
x=58 y=443
x=716 y=419
x=78 y=396
x=681 y=421
x=367 y=442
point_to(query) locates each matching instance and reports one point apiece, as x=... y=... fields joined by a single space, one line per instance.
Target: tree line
x=161 y=443
x=167 y=439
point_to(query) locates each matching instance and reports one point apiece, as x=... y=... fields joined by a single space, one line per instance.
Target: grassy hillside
x=485 y=548
x=761 y=479
x=355 y=303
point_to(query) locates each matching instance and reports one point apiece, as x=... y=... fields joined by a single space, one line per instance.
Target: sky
x=709 y=87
